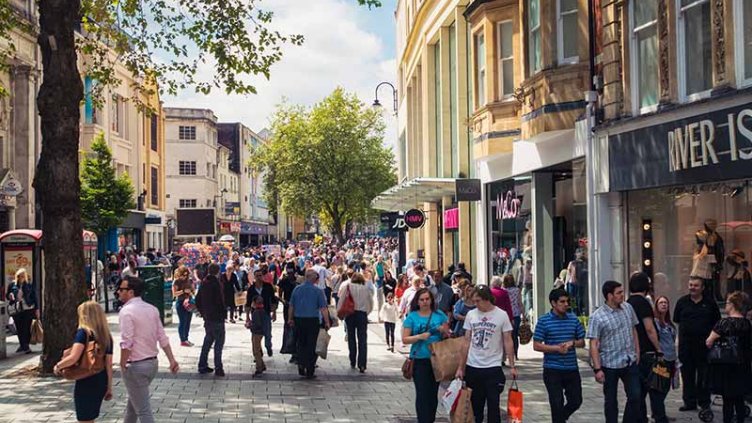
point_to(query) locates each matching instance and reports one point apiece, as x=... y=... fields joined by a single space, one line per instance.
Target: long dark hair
x=415 y=302
x=668 y=311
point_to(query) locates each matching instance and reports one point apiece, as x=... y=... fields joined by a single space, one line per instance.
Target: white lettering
x=683 y=141
x=693 y=145
x=707 y=136
x=746 y=132
x=732 y=138
x=673 y=153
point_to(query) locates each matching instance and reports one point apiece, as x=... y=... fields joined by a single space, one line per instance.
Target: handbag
x=37 y=332
x=515 y=407
x=90 y=363
x=659 y=379
x=288 y=341
x=525 y=332
x=408 y=364
x=322 y=343
x=347 y=306
x=445 y=358
x=725 y=351
x=14 y=308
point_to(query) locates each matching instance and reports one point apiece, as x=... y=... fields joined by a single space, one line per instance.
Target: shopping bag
x=525 y=332
x=449 y=399
x=463 y=408
x=288 y=341
x=445 y=356
x=240 y=298
x=514 y=404
x=37 y=333
x=322 y=343
x=659 y=379
x=333 y=319
x=346 y=306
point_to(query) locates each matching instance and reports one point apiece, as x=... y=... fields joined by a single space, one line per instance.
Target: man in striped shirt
x=557 y=334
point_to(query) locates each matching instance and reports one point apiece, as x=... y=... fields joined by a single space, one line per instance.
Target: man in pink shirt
x=140 y=332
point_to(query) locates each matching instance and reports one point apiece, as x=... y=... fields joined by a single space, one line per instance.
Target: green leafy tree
x=164 y=44
x=105 y=197
x=329 y=161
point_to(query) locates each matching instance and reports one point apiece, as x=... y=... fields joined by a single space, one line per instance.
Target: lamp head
x=376 y=103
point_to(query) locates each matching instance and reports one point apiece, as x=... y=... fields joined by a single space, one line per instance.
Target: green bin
x=158 y=290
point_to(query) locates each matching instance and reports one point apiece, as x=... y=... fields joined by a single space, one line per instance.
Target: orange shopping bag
x=514 y=404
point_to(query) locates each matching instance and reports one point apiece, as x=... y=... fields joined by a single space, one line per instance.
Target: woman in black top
x=22 y=296
x=732 y=381
x=231 y=285
x=390 y=284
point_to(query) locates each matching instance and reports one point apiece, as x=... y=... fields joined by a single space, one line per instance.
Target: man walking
x=140 y=332
x=307 y=307
x=614 y=352
x=266 y=292
x=324 y=275
x=696 y=315
x=210 y=302
x=557 y=334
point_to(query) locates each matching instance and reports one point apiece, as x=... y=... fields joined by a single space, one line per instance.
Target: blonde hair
x=92 y=319
x=22 y=271
x=181 y=272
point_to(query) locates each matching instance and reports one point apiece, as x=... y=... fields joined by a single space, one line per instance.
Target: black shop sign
x=699 y=149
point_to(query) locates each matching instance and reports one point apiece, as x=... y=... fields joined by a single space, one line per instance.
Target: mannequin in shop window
x=737 y=273
x=708 y=258
x=527 y=268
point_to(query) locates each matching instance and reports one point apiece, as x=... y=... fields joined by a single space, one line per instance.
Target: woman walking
x=231 y=285
x=732 y=380
x=463 y=306
x=89 y=392
x=183 y=292
x=22 y=295
x=423 y=326
x=515 y=295
x=357 y=323
x=667 y=339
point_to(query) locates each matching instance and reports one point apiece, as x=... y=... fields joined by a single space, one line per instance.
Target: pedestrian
x=183 y=292
x=261 y=289
x=388 y=314
x=22 y=295
x=515 y=296
x=732 y=381
x=390 y=284
x=319 y=265
x=88 y=393
x=210 y=302
x=696 y=314
x=463 y=306
x=307 y=308
x=488 y=336
x=614 y=352
x=423 y=326
x=501 y=297
x=402 y=285
x=380 y=268
x=416 y=284
x=666 y=336
x=557 y=335
x=140 y=331
x=256 y=324
x=650 y=347
x=445 y=298
x=357 y=322
x=337 y=279
x=230 y=285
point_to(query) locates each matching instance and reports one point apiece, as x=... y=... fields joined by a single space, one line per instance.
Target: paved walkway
x=339 y=394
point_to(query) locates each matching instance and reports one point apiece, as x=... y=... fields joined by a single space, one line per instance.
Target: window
x=743 y=14
x=92 y=115
x=506 y=60
x=534 y=58
x=437 y=108
x=117 y=115
x=453 y=100
x=154 y=186
x=644 y=63
x=154 y=133
x=187 y=132
x=187 y=168
x=188 y=204
x=568 y=30
x=695 y=49
x=480 y=70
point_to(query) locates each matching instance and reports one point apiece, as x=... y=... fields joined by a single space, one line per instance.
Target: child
x=256 y=325
x=389 y=315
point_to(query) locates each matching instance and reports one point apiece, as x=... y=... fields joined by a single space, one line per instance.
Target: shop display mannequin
x=737 y=274
x=708 y=258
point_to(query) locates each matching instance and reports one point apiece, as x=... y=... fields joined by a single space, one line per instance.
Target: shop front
x=252 y=234
x=155 y=230
x=684 y=178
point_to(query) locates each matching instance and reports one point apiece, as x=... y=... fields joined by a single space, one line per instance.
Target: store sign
x=508 y=206
x=415 y=218
x=393 y=221
x=11 y=186
x=706 y=148
x=467 y=189
x=452 y=218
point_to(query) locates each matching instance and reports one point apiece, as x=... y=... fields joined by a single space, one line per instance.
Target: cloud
x=338 y=50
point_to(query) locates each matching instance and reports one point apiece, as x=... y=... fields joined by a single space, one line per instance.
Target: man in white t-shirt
x=488 y=333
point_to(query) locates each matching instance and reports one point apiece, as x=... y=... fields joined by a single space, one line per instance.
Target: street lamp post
x=376 y=102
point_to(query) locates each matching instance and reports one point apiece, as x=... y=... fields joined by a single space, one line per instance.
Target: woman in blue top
x=423 y=326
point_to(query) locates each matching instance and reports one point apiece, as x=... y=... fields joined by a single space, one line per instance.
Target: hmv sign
x=415 y=218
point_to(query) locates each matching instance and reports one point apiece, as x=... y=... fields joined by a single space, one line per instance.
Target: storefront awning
x=413 y=193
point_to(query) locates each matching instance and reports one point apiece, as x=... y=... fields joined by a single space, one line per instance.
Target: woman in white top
x=357 y=323
x=388 y=314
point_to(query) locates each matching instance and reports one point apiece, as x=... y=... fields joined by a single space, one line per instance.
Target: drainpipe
x=591 y=97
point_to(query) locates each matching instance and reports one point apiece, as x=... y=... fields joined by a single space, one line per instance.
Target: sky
x=345 y=45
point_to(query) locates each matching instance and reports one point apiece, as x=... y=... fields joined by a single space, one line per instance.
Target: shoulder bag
x=407 y=366
x=90 y=363
x=347 y=307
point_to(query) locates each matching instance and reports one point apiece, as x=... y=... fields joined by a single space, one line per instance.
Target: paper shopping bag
x=37 y=333
x=445 y=356
x=322 y=343
x=514 y=404
x=240 y=298
x=463 y=410
x=449 y=399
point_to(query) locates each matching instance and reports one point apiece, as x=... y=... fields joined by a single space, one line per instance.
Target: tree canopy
x=328 y=160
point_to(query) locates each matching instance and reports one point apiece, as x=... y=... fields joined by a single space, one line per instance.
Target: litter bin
x=3 y=326
x=158 y=292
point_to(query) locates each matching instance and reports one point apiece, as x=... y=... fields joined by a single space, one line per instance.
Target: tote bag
x=514 y=404
x=445 y=358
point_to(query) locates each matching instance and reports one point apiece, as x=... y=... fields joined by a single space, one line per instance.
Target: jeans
x=23 y=327
x=630 y=377
x=357 y=339
x=527 y=298
x=694 y=372
x=258 y=353
x=380 y=297
x=137 y=378
x=306 y=334
x=184 y=321
x=516 y=334
x=215 y=334
x=268 y=333
x=733 y=405
x=389 y=333
x=487 y=385
x=426 y=390
x=657 y=399
x=561 y=384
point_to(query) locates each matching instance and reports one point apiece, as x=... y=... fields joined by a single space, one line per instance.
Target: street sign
x=415 y=218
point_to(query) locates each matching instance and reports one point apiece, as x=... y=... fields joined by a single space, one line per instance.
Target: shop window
x=535 y=60
x=188 y=203
x=743 y=14
x=506 y=60
x=695 y=49
x=697 y=230
x=187 y=132
x=187 y=167
x=644 y=63
x=568 y=31
x=155 y=186
x=154 y=133
x=480 y=70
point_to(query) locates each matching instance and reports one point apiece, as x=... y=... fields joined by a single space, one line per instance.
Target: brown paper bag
x=463 y=413
x=37 y=333
x=240 y=298
x=445 y=356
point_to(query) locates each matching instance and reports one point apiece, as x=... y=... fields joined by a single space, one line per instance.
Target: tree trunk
x=337 y=229
x=57 y=181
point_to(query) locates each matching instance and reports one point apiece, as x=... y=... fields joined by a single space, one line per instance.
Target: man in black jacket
x=265 y=291
x=210 y=302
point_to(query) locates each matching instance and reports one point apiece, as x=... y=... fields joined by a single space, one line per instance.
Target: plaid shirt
x=613 y=329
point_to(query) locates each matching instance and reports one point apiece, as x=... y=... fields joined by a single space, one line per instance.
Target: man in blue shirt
x=557 y=334
x=307 y=306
